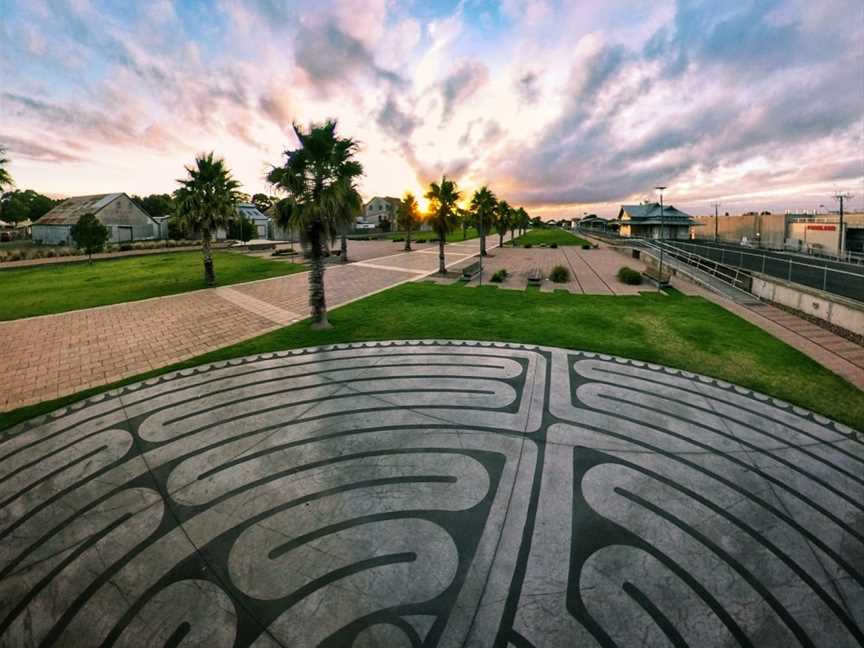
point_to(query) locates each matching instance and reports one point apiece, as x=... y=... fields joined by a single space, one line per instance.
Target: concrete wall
x=51 y=234
x=818 y=237
x=770 y=227
x=841 y=312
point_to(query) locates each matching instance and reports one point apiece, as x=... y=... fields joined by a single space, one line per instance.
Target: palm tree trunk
x=442 y=269
x=209 y=274
x=317 y=298
x=408 y=238
x=344 y=248
x=500 y=239
x=482 y=239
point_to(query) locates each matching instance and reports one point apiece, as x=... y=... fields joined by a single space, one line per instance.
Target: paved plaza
x=436 y=494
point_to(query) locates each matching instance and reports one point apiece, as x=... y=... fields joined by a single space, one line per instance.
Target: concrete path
x=51 y=356
x=433 y=494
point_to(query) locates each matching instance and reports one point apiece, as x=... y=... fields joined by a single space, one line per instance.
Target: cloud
x=527 y=85
x=461 y=84
x=329 y=56
x=392 y=120
x=33 y=150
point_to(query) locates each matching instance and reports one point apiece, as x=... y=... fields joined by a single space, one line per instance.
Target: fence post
x=722 y=254
x=763 y=264
x=825 y=279
x=790 y=270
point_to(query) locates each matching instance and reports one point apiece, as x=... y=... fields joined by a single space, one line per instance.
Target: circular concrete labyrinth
x=435 y=494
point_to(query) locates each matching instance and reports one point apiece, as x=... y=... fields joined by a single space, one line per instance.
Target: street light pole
x=716 y=223
x=660 y=276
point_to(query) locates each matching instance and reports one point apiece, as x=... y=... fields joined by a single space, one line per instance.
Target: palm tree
x=407 y=217
x=444 y=214
x=522 y=219
x=206 y=201
x=5 y=177
x=503 y=215
x=318 y=179
x=483 y=204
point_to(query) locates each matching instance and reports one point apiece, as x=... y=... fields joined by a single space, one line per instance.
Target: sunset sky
x=564 y=107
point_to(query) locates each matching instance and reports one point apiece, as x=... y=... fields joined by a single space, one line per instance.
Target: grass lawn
x=453 y=237
x=675 y=330
x=25 y=292
x=549 y=236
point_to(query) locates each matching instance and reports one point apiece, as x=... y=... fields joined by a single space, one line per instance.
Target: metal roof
x=650 y=214
x=70 y=210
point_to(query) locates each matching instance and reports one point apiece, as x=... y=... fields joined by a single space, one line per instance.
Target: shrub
x=50 y=253
x=629 y=276
x=126 y=247
x=397 y=239
x=528 y=245
x=553 y=245
x=500 y=276
x=586 y=246
x=559 y=274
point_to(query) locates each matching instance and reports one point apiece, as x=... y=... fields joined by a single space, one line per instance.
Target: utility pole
x=841 y=197
x=716 y=222
x=660 y=275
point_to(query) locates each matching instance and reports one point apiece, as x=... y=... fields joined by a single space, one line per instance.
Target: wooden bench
x=470 y=271
x=535 y=276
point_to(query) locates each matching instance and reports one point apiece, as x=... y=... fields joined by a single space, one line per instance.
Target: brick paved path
x=48 y=357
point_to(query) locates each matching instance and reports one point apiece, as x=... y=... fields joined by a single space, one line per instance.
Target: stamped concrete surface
x=435 y=494
x=47 y=357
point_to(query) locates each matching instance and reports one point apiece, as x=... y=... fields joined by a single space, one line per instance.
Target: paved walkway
x=437 y=494
x=51 y=356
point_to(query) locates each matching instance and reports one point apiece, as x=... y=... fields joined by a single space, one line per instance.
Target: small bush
x=126 y=247
x=397 y=239
x=559 y=274
x=50 y=253
x=629 y=276
x=528 y=245
x=500 y=276
x=586 y=246
x=553 y=245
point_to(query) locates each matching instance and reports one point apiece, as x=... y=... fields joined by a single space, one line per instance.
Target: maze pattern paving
x=435 y=494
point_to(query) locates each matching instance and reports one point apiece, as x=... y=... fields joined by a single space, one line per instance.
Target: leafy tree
x=89 y=234
x=242 y=229
x=443 y=213
x=408 y=217
x=207 y=200
x=156 y=204
x=18 y=206
x=5 y=176
x=262 y=201
x=177 y=228
x=484 y=205
x=318 y=179
x=503 y=215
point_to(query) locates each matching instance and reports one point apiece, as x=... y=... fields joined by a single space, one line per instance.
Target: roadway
x=844 y=279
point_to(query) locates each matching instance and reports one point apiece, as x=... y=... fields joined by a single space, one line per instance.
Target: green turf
x=453 y=237
x=675 y=330
x=25 y=292
x=548 y=236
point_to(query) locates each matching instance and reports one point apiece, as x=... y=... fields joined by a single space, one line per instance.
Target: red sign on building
x=822 y=228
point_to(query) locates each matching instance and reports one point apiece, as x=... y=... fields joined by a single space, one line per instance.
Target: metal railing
x=731 y=276
x=822 y=277
x=854 y=258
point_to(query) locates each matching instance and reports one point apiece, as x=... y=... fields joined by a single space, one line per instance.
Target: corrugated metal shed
x=70 y=210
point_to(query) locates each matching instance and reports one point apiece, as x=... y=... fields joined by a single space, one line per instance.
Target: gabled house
x=379 y=209
x=125 y=220
x=261 y=222
x=647 y=221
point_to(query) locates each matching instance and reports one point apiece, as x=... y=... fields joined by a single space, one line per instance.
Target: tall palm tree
x=483 y=204
x=318 y=179
x=5 y=176
x=407 y=217
x=206 y=201
x=503 y=215
x=443 y=213
x=522 y=219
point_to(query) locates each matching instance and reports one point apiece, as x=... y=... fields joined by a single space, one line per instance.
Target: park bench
x=535 y=276
x=470 y=271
